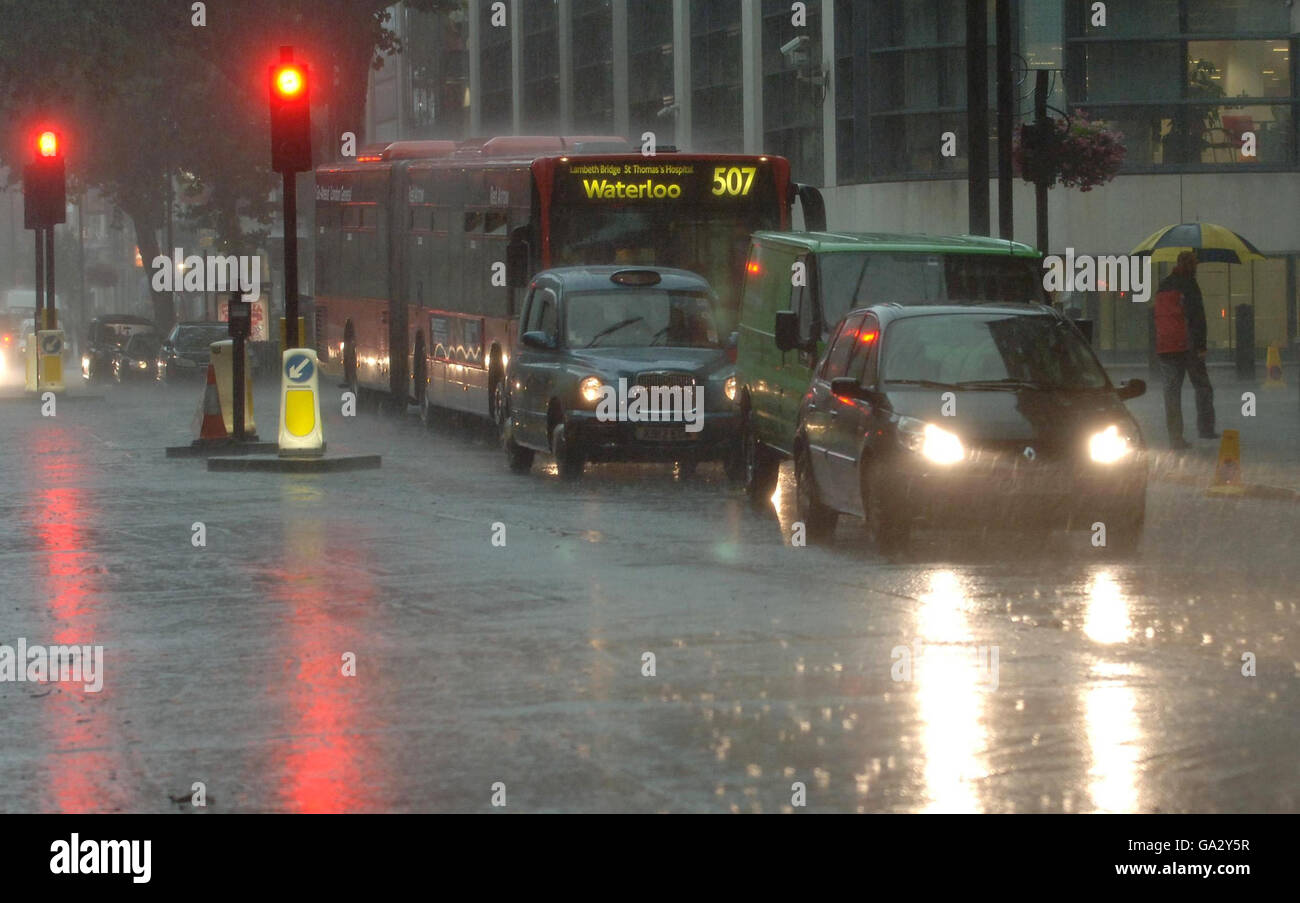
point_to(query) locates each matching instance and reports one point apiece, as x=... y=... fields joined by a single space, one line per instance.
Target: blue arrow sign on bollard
x=298 y=368
x=52 y=344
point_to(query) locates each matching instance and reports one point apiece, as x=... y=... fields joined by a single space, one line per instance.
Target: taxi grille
x=664 y=379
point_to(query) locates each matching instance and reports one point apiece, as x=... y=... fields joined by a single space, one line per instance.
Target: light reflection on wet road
x=1042 y=678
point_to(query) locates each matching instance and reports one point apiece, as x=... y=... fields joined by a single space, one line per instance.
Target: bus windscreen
x=694 y=214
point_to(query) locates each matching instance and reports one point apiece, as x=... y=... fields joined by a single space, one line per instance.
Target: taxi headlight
x=1109 y=446
x=729 y=388
x=934 y=443
x=591 y=389
x=142 y=365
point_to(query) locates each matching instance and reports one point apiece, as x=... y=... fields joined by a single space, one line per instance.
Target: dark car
x=988 y=416
x=186 y=351
x=619 y=364
x=106 y=336
x=137 y=359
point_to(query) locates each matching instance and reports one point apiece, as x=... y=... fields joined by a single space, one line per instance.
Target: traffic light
x=45 y=184
x=290 y=115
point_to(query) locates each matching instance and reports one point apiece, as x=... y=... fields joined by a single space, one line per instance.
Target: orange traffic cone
x=213 y=425
x=1227 y=473
x=1275 y=379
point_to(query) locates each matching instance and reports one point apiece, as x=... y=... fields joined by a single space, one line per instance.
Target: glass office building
x=859 y=95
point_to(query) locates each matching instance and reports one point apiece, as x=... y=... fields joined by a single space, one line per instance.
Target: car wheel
x=1124 y=531
x=760 y=467
x=818 y=519
x=568 y=460
x=686 y=468
x=888 y=523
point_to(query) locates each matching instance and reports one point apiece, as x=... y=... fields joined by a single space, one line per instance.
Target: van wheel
x=761 y=467
x=818 y=519
x=568 y=460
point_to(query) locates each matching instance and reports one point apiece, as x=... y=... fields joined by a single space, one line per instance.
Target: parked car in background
x=800 y=284
x=981 y=416
x=186 y=351
x=137 y=359
x=593 y=339
x=105 y=337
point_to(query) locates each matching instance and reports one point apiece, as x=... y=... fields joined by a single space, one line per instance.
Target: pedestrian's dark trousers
x=1173 y=366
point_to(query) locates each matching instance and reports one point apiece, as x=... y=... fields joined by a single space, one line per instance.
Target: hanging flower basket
x=1073 y=152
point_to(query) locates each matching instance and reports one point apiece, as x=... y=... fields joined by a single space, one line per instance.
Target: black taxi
x=620 y=364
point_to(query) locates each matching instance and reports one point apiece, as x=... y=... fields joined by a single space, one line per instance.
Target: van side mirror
x=786 y=330
x=1132 y=388
x=518 y=254
x=537 y=340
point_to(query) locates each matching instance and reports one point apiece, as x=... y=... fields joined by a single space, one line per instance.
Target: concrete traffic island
x=206 y=448
x=295 y=463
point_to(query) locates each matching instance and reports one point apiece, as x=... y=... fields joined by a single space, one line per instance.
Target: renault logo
x=1030 y=454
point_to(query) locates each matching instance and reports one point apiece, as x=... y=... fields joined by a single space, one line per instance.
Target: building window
x=717 y=99
x=792 y=101
x=650 y=69
x=541 y=64
x=1183 y=102
x=495 y=73
x=593 y=67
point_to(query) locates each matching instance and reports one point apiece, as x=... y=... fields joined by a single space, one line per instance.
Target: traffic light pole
x=51 y=312
x=38 y=319
x=291 y=337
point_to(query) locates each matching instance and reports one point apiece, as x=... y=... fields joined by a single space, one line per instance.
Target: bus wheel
x=350 y=362
x=497 y=402
x=422 y=384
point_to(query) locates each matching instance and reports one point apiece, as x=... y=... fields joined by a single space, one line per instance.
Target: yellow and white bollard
x=223 y=362
x=300 y=425
x=30 y=359
x=49 y=368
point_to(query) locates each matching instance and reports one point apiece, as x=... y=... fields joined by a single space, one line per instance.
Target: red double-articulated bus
x=424 y=252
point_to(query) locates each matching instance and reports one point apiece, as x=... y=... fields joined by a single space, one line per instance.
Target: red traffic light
x=48 y=144
x=289 y=80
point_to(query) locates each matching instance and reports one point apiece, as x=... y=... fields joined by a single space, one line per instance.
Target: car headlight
x=591 y=389
x=142 y=365
x=1109 y=446
x=934 y=443
x=729 y=388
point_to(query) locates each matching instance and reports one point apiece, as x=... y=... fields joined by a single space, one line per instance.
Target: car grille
x=664 y=379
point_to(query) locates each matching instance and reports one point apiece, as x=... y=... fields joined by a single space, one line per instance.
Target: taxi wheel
x=818 y=519
x=568 y=461
x=497 y=400
x=887 y=525
x=760 y=468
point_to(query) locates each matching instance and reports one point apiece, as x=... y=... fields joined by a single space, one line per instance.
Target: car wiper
x=927 y=383
x=1008 y=383
x=615 y=328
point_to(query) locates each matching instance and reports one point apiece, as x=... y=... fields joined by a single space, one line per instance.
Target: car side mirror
x=846 y=387
x=786 y=330
x=1132 y=388
x=538 y=341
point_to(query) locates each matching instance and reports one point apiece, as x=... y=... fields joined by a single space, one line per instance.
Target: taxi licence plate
x=663 y=434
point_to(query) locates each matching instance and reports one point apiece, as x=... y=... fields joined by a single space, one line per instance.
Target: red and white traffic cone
x=212 y=425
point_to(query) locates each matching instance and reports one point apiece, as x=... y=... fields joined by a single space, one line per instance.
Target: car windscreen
x=142 y=345
x=198 y=338
x=850 y=280
x=111 y=333
x=631 y=318
x=987 y=349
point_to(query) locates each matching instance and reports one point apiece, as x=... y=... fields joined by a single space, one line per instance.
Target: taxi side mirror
x=537 y=340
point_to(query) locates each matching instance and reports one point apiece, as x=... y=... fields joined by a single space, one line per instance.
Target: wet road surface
x=1043 y=676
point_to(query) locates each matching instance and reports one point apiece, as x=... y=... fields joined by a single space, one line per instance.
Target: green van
x=799 y=284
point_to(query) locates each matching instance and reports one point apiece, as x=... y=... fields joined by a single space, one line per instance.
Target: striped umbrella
x=1212 y=244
